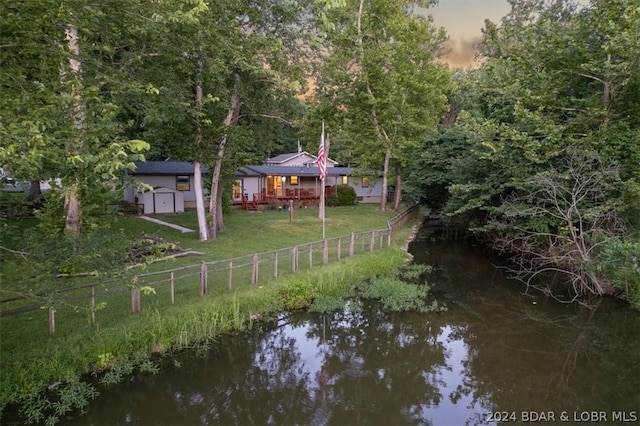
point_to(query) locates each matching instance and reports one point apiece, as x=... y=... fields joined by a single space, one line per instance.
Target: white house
x=296 y=176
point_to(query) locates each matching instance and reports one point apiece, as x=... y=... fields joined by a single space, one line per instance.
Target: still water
x=496 y=355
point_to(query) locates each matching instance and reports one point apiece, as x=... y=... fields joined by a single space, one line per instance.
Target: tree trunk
x=397 y=196
x=385 y=174
x=215 y=202
x=200 y=212
x=197 y=173
x=72 y=206
x=35 y=192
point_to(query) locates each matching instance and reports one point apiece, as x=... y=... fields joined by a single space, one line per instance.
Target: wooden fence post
x=203 y=279
x=352 y=244
x=372 y=243
x=389 y=232
x=275 y=264
x=325 y=252
x=135 y=296
x=230 y=274
x=310 y=256
x=294 y=259
x=339 y=247
x=254 y=268
x=172 y=288
x=52 y=320
x=93 y=304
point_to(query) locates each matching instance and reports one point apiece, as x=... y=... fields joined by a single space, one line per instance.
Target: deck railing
x=107 y=301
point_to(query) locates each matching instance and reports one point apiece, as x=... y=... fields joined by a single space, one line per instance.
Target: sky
x=464 y=20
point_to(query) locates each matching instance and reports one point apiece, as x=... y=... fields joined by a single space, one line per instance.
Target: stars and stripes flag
x=322 y=156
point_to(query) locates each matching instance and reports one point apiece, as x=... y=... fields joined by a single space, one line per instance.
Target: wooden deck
x=300 y=196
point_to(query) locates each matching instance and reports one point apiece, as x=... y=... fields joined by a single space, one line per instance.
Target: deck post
x=325 y=251
x=352 y=244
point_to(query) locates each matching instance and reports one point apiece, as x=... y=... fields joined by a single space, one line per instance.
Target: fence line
x=97 y=300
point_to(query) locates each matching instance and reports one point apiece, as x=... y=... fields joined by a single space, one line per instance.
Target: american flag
x=322 y=157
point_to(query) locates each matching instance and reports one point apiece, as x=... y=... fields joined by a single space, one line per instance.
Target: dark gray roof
x=293 y=171
x=282 y=158
x=165 y=168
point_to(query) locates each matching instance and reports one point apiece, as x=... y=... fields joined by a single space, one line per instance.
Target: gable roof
x=165 y=168
x=295 y=171
x=284 y=158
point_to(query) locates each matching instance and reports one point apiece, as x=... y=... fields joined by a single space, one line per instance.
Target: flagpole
x=322 y=168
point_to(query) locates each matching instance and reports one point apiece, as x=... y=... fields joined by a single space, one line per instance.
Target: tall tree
x=380 y=74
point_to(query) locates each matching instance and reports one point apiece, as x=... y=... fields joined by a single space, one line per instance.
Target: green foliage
x=398 y=296
x=59 y=400
x=345 y=195
x=619 y=261
x=297 y=294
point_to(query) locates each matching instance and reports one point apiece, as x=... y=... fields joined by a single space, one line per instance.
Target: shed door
x=164 y=202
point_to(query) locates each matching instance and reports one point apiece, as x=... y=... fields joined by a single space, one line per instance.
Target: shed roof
x=165 y=168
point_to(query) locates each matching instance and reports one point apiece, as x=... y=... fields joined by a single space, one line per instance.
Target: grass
x=121 y=343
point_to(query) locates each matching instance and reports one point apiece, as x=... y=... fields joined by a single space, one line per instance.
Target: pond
x=496 y=356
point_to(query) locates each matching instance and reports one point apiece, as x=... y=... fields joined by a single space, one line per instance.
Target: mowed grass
x=257 y=232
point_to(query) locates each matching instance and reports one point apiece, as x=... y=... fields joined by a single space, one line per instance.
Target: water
x=497 y=354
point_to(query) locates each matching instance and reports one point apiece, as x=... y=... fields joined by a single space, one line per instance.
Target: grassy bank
x=47 y=375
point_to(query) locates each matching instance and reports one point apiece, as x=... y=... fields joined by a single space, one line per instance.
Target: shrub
x=345 y=196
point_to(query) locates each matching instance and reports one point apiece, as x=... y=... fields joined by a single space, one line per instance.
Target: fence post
x=135 y=296
x=310 y=255
x=230 y=274
x=352 y=244
x=275 y=264
x=389 y=232
x=372 y=243
x=325 y=251
x=381 y=239
x=52 y=320
x=93 y=304
x=294 y=259
x=172 y=288
x=339 y=247
x=254 y=268
x=203 y=279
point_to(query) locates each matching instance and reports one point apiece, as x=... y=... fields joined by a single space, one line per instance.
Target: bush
x=619 y=261
x=345 y=196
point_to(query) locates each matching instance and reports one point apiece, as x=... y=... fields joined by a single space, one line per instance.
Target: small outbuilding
x=161 y=200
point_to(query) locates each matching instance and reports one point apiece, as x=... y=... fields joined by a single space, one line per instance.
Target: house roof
x=283 y=158
x=293 y=171
x=165 y=168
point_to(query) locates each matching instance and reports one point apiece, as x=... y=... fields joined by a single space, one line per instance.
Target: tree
x=381 y=79
x=60 y=120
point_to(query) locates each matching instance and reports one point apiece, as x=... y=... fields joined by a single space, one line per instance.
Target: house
x=296 y=177
x=172 y=183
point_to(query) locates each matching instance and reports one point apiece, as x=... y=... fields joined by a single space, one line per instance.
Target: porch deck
x=301 y=196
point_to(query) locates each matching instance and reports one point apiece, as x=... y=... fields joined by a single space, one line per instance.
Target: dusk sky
x=463 y=20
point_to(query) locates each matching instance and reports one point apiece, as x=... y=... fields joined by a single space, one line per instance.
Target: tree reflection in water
x=494 y=350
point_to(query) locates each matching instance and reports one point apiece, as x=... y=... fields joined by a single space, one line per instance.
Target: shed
x=161 y=200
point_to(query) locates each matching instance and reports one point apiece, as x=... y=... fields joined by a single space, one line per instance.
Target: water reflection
x=496 y=349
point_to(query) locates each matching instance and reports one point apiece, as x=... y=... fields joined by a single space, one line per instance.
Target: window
x=345 y=180
x=365 y=181
x=183 y=183
x=293 y=180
